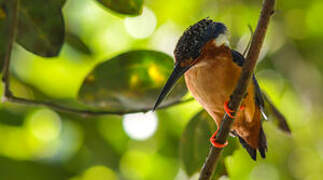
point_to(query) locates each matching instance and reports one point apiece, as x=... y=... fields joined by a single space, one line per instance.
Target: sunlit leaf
x=128 y=7
x=74 y=41
x=130 y=81
x=195 y=144
x=41 y=26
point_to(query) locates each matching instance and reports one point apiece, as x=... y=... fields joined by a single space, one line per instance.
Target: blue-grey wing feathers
x=262 y=101
x=239 y=60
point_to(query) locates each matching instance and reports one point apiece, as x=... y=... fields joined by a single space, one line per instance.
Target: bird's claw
x=230 y=111
x=216 y=144
x=242 y=107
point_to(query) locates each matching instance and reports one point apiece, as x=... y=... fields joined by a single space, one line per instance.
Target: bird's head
x=189 y=48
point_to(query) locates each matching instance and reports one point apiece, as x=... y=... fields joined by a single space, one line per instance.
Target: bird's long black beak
x=178 y=71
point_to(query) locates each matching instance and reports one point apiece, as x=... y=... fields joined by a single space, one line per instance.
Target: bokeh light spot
x=140 y=126
x=141 y=26
x=134 y=164
x=165 y=38
x=264 y=171
x=99 y=173
x=45 y=125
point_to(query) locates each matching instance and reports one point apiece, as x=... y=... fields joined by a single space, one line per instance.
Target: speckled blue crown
x=195 y=37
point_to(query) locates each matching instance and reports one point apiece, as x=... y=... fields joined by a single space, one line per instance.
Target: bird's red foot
x=242 y=107
x=216 y=144
x=230 y=111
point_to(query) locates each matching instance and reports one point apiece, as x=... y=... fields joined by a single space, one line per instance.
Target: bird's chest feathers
x=212 y=80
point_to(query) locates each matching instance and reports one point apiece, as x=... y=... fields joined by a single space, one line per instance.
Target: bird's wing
x=264 y=103
x=237 y=57
x=259 y=97
x=239 y=60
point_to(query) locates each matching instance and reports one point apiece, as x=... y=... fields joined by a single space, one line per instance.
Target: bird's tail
x=256 y=139
x=262 y=145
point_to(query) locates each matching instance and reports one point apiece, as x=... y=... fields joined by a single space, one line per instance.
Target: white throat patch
x=220 y=40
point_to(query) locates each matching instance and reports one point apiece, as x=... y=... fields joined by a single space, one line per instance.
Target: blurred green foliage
x=77 y=43
x=41 y=26
x=130 y=81
x=195 y=145
x=129 y=7
x=39 y=143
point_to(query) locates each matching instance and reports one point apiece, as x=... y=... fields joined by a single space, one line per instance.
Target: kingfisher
x=212 y=70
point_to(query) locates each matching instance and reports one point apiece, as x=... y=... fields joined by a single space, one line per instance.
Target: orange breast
x=211 y=82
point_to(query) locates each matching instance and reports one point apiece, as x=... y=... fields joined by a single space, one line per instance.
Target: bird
x=211 y=70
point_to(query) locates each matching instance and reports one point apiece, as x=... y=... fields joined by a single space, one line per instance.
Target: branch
x=12 y=21
x=237 y=95
x=83 y=112
x=8 y=95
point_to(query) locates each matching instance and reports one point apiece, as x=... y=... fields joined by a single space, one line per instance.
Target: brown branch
x=237 y=95
x=12 y=23
x=8 y=95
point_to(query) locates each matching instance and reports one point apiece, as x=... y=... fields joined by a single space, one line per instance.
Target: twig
x=13 y=21
x=237 y=95
x=249 y=42
x=8 y=96
x=83 y=112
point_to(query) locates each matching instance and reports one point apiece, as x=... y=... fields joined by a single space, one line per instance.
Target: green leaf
x=130 y=81
x=11 y=118
x=195 y=144
x=75 y=42
x=128 y=7
x=41 y=26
